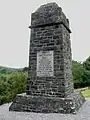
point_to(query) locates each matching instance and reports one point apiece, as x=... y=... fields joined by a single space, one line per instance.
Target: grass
x=85 y=92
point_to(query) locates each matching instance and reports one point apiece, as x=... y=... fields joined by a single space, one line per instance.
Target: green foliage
x=87 y=73
x=25 y=69
x=81 y=76
x=11 y=84
x=4 y=71
x=86 y=63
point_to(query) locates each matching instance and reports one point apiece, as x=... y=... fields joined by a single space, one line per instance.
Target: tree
x=86 y=63
x=11 y=85
x=25 y=69
x=79 y=77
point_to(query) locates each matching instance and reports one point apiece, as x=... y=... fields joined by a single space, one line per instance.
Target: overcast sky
x=15 y=34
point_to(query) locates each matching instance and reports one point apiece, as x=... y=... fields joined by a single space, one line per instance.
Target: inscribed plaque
x=45 y=63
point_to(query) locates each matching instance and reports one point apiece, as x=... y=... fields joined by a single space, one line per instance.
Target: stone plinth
x=42 y=104
x=49 y=84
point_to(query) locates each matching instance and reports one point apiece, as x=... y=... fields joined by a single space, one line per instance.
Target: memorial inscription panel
x=45 y=64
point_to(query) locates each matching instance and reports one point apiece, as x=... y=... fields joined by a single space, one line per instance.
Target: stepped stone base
x=41 y=104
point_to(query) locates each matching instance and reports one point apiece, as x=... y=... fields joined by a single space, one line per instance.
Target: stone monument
x=49 y=84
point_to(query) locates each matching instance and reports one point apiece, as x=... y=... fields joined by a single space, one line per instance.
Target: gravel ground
x=83 y=114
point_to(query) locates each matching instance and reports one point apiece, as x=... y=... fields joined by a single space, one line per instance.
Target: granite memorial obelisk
x=49 y=84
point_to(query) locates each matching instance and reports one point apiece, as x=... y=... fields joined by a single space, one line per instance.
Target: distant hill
x=3 y=68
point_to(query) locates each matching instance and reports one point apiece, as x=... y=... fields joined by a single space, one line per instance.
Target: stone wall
x=67 y=61
x=50 y=32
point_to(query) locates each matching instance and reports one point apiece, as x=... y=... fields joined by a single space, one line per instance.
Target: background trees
x=79 y=75
x=86 y=64
x=11 y=84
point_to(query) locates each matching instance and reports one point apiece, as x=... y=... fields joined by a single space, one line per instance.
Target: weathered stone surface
x=50 y=37
x=53 y=91
x=47 y=14
x=43 y=104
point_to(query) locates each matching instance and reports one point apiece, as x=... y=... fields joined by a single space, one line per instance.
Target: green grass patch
x=86 y=92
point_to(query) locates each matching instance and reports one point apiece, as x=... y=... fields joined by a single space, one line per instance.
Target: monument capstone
x=49 y=84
